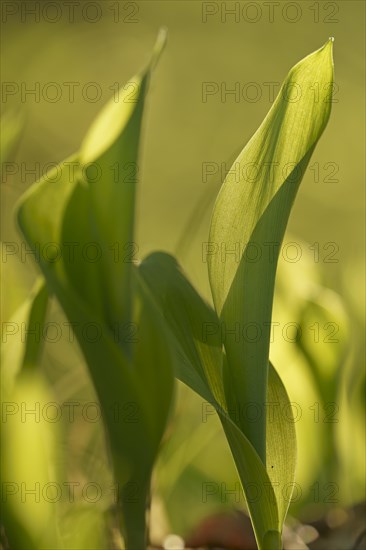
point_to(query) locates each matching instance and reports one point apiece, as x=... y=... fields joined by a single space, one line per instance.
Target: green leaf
x=19 y=357
x=27 y=443
x=126 y=371
x=280 y=443
x=196 y=337
x=192 y=322
x=37 y=316
x=326 y=355
x=23 y=458
x=257 y=486
x=250 y=216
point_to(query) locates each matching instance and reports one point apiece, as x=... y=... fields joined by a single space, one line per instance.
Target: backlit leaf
x=250 y=218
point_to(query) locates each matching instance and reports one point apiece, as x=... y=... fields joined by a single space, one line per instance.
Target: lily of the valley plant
x=167 y=309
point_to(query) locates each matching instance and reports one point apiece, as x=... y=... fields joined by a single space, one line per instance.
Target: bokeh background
x=105 y=44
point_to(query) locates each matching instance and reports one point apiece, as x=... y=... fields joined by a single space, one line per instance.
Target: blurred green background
x=182 y=132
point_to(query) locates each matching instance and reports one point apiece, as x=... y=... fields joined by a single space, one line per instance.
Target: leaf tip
x=160 y=43
x=327 y=50
x=329 y=44
x=162 y=36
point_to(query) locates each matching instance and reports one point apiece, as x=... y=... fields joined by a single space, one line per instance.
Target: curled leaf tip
x=159 y=45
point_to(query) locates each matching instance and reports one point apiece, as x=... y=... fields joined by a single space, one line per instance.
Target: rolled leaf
x=127 y=359
x=249 y=221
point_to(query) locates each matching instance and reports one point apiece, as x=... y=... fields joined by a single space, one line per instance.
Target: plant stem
x=134 y=526
x=272 y=541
